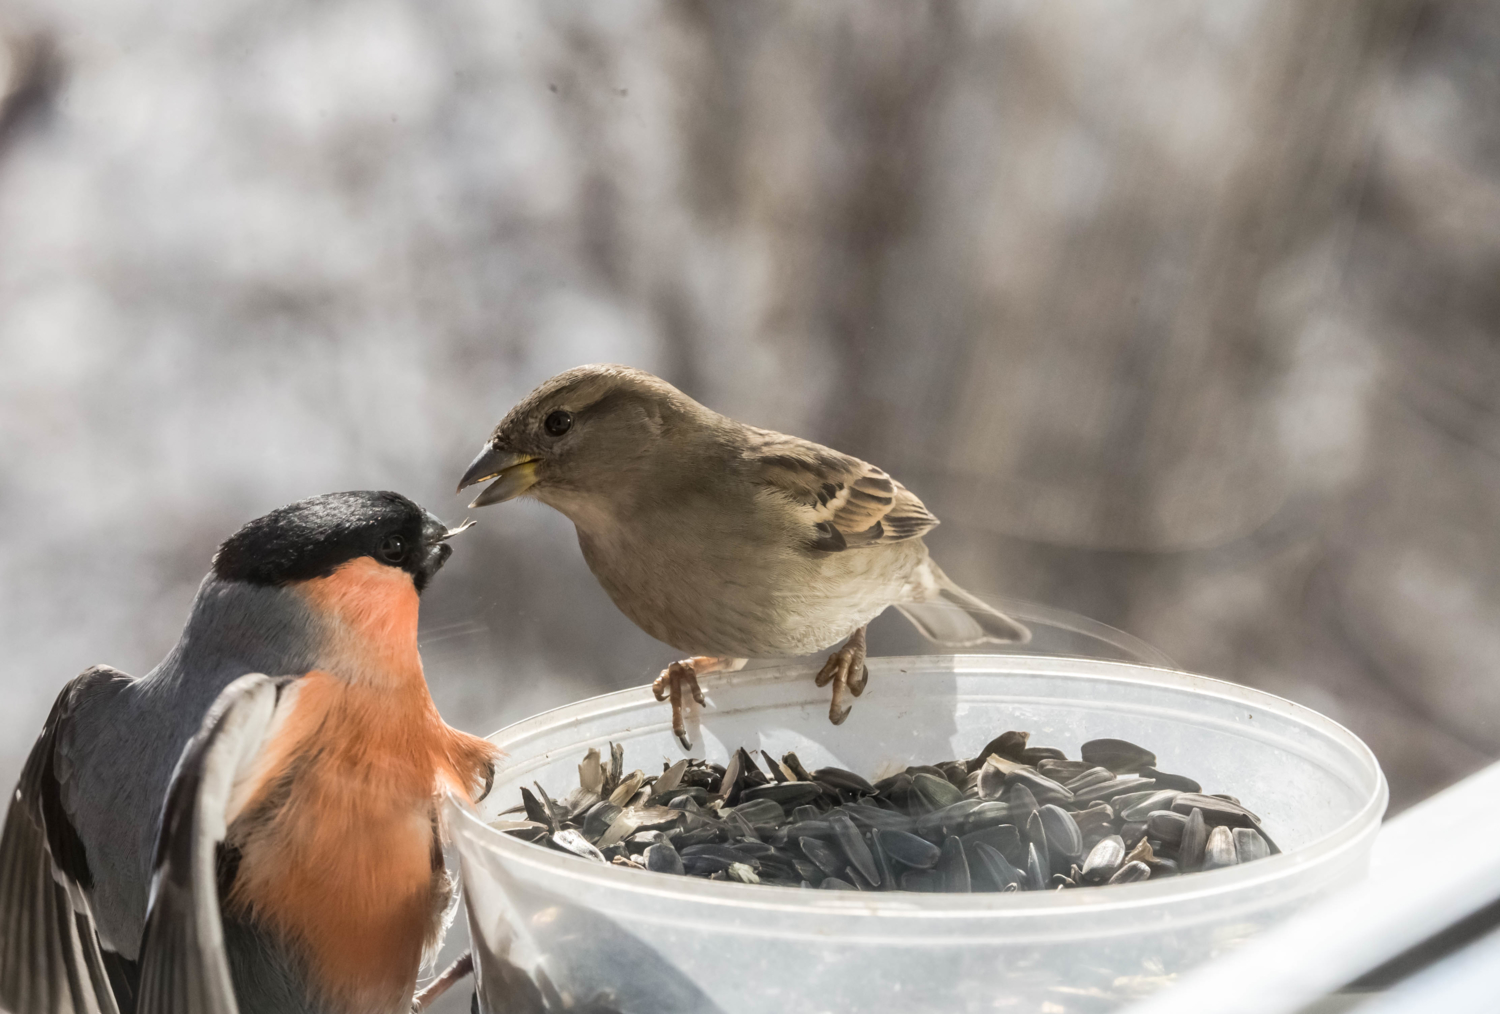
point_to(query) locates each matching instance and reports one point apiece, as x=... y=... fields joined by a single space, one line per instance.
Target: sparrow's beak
x=513 y=471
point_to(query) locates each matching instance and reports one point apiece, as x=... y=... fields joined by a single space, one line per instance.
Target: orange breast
x=337 y=841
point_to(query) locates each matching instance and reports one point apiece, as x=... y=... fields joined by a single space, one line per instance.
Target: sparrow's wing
x=184 y=969
x=844 y=502
x=50 y=960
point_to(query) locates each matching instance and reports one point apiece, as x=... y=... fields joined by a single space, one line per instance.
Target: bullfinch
x=253 y=825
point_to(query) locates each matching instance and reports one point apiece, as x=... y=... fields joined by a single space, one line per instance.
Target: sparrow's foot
x=680 y=679
x=846 y=668
x=674 y=683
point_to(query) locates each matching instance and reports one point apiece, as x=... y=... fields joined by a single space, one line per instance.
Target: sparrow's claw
x=847 y=671
x=673 y=681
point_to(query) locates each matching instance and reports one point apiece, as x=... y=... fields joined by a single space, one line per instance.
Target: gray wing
x=845 y=503
x=184 y=968
x=50 y=959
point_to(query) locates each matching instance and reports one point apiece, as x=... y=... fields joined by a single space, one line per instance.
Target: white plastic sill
x=1410 y=896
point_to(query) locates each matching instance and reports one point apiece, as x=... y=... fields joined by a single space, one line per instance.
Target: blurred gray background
x=1182 y=316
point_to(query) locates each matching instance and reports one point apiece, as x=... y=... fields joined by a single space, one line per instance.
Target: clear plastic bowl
x=554 y=932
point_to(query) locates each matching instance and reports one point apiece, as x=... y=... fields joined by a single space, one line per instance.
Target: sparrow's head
x=576 y=433
x=314 y=537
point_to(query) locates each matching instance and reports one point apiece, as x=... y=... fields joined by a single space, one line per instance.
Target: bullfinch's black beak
x=513 y=471
x=435 y=548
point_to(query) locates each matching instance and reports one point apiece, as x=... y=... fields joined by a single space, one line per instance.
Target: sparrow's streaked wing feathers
x=184 y=969
x=49 y=949
x=847 y=503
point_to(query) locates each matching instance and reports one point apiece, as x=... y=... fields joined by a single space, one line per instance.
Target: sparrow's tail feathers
x=958 y=619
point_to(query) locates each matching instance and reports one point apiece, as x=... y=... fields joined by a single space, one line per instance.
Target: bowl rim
x=1200 y=887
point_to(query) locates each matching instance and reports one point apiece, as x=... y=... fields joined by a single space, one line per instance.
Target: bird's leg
x=846 y=668
x=439 y=985
x=681 y=678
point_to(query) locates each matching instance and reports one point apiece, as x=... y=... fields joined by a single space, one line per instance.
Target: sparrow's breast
x=717 y=593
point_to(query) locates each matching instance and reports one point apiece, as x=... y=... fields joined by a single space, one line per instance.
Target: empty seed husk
x=1014 y=818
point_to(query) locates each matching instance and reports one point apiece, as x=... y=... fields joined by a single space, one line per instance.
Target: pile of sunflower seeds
x=1014 y=818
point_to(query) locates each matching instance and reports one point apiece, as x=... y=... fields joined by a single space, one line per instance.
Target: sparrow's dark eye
x=393 y=549
x=559 y=422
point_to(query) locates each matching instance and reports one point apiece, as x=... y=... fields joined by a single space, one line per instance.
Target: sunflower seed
x=827 y=860
x=1043 y=789
x=761 y=811
x=1132 y=831
x=1194 y=841
x=1064 y=771
x=844 y=781
x=783 y=793
x=1088 y=778
x=883 y=863
x=855 y=849
x=1034 y=755
x=1249 y=845
x=669 y=780
x=936 y=792
x=1217 y=812
x=909 y=850
x=1014 y=817
x=1181 y=783
x=990 y=780
x=628 y=787
x=1141 y=809
x=1104 y=859
x=795 y=767
x=926 y=881
x=1020 y=800
x=1094 y=823
x=940 y=824
x=1036 y=872
x=954 y=868
x=1064 y=841
x=1166 y=826
x=992 y=870
x=1036 y=837
x=663 y=858
x=572 y=841
x=1130 y=873
x=1220 y=850
x=873 y=816
x=1003 y=838
x=987 y=815
x=1007 y=744
x=1120 y=756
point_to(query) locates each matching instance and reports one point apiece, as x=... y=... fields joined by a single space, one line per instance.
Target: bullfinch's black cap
x=313 y=537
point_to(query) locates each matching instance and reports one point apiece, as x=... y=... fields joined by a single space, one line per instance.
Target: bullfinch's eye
x=559 y=422
x=393 y=549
